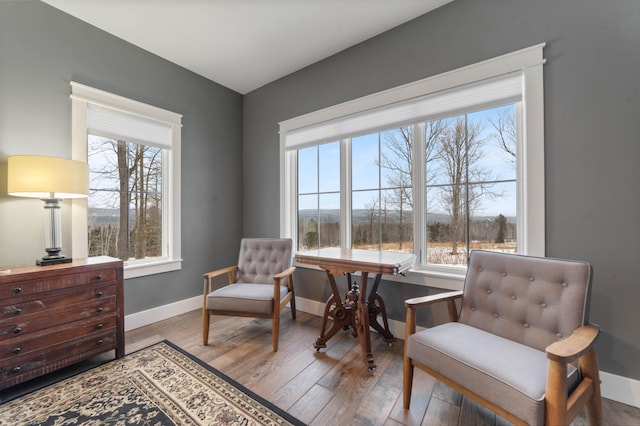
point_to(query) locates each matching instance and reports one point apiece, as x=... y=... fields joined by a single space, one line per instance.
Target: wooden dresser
x=54 y=316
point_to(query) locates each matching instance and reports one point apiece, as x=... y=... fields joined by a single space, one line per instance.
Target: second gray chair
x=260 y=285
x=522 y=326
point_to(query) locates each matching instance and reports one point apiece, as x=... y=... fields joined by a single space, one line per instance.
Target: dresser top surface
x=11 y=273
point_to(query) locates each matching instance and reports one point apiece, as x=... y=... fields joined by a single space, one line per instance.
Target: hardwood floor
x=330 y=387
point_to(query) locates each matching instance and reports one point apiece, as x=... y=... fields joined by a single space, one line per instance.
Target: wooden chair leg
x=589 y=368
x=556 y=394
x=292 y=300
x=407 y=369
x=205 y=327
x=407 y=382
x=276 y=330
x=292 y=303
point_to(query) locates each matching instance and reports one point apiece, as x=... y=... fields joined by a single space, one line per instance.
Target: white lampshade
x=47 y=177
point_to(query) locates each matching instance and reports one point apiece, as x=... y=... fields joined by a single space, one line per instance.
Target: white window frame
x=344 y=120
x=81 y=97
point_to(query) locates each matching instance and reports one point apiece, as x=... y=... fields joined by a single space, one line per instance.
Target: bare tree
x=397 y=158
x=504 y=124
x=372 y=213
x=122 y=249
x=460 y=150
x=135 y=170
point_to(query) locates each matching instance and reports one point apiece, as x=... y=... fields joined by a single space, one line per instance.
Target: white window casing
x=105 y=114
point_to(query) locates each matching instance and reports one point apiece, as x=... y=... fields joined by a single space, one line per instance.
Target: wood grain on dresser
x=54 y=316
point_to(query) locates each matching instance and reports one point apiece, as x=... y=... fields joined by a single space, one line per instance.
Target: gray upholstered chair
x=260 y=285
x=521 y=345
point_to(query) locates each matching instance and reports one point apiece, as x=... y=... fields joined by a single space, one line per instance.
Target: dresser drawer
x=23 y=325
x=18 y=308
x=42 y=340
x=33 y=364
x=19 y=288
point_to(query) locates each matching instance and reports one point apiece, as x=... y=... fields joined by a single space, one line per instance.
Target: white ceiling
x=245 y=44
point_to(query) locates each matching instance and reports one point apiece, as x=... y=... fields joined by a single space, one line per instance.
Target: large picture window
x=437 y=168
x=133 y=153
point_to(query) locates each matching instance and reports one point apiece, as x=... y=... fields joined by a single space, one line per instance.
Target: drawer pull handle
x=17 y=330
x=100 y=342
x=99 y=310
x=17 y=311
x=17 y=290
x=99 y=326
x=99 y=294
x=99 y=277
x=16 y=350
x=16 y=370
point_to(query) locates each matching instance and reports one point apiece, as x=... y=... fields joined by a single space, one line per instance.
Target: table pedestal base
x=358 y=312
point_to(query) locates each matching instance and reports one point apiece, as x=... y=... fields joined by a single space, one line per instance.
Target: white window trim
x=527 y=62
x=81 y=97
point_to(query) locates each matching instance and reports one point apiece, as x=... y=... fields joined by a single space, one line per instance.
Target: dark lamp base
x=53 y=260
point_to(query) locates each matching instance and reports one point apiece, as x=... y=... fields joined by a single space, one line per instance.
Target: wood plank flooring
x=329 y=387
x=332 y=386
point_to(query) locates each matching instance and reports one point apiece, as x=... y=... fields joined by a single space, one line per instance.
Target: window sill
x=435 y=279
x=140 y=269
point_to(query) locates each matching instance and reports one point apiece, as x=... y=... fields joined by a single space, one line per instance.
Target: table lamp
x=52 y=180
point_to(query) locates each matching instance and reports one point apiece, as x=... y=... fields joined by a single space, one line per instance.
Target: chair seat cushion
x=504 y=372
x=244 y=297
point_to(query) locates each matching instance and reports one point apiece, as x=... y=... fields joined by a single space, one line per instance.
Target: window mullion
x=289 y=200
x=418 y=183
x=467 y=189
x=521 y=168
x=318 y=207
x=345 y=193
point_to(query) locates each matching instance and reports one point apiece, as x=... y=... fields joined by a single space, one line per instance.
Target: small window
x=133 y=153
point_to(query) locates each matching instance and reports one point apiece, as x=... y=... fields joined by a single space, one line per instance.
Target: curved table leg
x=376 y=306
x=340 y=313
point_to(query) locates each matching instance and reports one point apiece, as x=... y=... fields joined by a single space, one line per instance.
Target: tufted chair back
x=261 y=258
x=530 y=300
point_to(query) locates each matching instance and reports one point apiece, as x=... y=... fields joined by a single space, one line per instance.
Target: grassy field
x=442 y=253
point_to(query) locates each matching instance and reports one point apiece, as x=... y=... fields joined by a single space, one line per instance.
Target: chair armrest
x=221 y=271
x=418 y=302
x=284 y=273
x=450 y=297
x=277 y=278
x=229 y=270
x=574 y=346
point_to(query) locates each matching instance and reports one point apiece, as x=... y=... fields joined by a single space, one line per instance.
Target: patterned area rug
x=158 y=385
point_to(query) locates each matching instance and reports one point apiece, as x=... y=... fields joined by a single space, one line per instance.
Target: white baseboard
x=614 y=387
x=620 y=389
x=142 y=318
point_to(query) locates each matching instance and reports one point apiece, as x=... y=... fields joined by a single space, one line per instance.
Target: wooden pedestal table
x=356 y=310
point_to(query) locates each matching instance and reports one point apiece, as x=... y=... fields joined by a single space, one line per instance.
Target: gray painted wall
x=592 y=123
x=41 y=50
